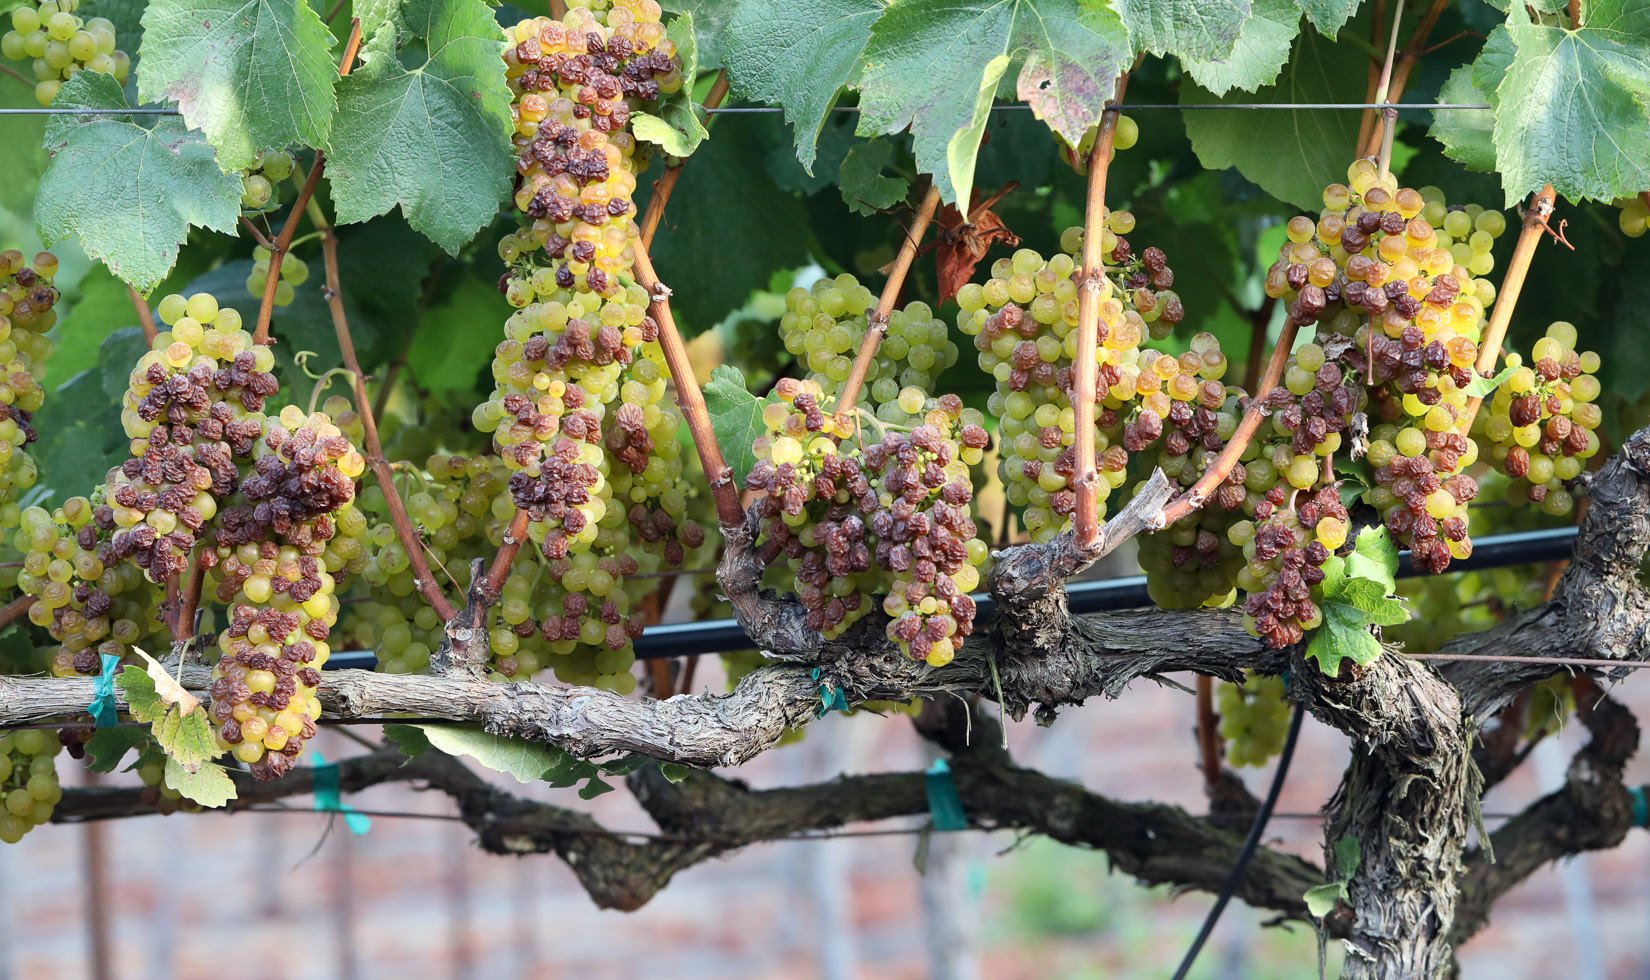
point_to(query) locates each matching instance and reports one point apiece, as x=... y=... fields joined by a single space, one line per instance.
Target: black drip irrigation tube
x=720 y=635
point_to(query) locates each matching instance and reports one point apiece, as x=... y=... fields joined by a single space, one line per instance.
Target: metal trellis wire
x=751 y=110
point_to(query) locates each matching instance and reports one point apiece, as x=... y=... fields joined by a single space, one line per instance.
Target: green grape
x=1254 y=719
x=29 y=786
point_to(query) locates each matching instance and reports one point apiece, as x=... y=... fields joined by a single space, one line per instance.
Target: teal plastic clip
x=324 y=782
x=102 y=709
x=944 y=805
x=1641 y=806
x=830 y=696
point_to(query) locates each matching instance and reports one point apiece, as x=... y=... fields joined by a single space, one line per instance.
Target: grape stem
x=13 y=72
x=183 y=626
x=278 y=248
x=1489 y=350
x=876 y=325
x=14 y=610
x=1253 y=413
x=1408 y=58
x=257 y=235
x=666 y=184
x=146 y=316
x=424 y=579
x=1092 y=288
x=724 y=491
x=514 y=535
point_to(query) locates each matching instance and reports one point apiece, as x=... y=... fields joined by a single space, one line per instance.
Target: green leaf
x=252 y=74
x=594 y=788
x=21 y=158
x=864 y=187
x=1374 y=557
x=1574 y=108
x=727 y=205
x=1494 y=60
x=735 y=416
x=1261 y=50
x=431 y=137
x=209 y=785
x=674 y=773
x=1371 y=599
x=1321 y=899
x=1071 y=65
x=1202 y=29
x=164 y=178
x=526 y=761
x=1482 y=387
x=1343 y=635
x=1349 y=854
x=676 y=128
x=108 y=746
x=1467 y=134
x=934 y=65
x=1289 y=154
x=188 y=739
x=1329 y=16
x=710 y=27
x=444 y=355
x=798 y=54
x=410 y=739
x=1334 y=573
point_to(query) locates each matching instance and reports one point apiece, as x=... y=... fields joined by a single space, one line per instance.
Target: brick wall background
x=258 y=895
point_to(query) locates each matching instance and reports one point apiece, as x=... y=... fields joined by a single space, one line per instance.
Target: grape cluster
x=1540 y=424
x=61 y=44
x=27 y=298
x=193 y=407
x=576 y=82
x=812 y=505
x=822 y=328
x=29 y=788
x=294 y=273
x=273 y=551
x=87 y=600
x=1024 y=324
x=260 y=181
x=1286 y=548
x=647 y=482
x=1254 y=717
x=924 y=533
x=1376 y=271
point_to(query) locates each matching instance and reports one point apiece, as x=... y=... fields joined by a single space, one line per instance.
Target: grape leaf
x=1356 y=596
x=1349 y=854
x=1574 y=108
x=1329 y=16
x=108 y=746
x=209 y=785
x=676 y=128
x=593 y=788
x=1482 y=387
x=1493 y=61
x=728 y=210
x=1467 y=134
x=735 y=417
x=710 y=27
x=1343 y=636
x=526 y=761
x=798 y=54
x=21 y=158
x=184 y=735
x=1321 y=899
x=164 y=178
x=1260 y=52
x=1289 y=154
x=934 y=65
x=430 y=137
x=1374 y=557
x=864 y=187
x=252 y=74
x=444 y=355
x=1204 y=29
